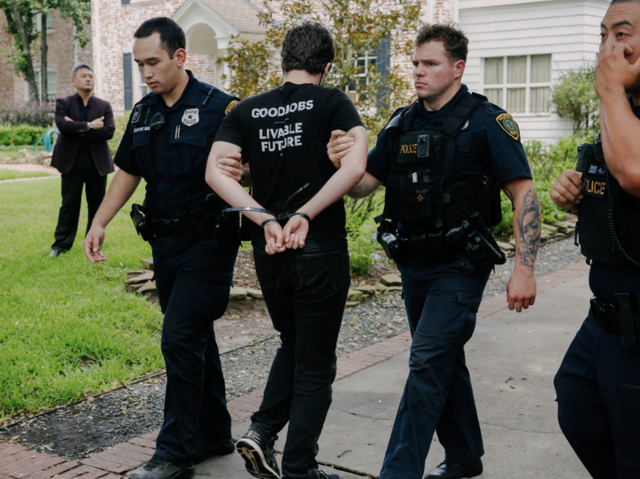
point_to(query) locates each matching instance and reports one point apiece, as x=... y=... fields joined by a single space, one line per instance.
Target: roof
x=240 y=14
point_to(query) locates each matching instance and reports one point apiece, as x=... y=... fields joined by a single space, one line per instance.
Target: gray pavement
x=512 y=357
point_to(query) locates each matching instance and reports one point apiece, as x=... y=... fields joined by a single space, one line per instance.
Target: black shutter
x=383 y=62
x=125 y=2
x=128 y=82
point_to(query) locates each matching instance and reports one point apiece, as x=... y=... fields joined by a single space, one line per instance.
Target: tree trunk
x=44 y=72
x=26 y=49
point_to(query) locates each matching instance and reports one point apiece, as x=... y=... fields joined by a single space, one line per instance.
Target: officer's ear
x=180 y=57
x=459 y=66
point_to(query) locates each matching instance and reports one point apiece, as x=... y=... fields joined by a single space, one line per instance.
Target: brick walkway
x=18 y=462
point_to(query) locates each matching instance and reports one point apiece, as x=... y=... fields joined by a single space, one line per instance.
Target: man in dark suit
x=81 y=154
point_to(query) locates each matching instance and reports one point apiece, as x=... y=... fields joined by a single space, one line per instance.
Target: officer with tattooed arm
x=598 y=383
x=167 y=142
x=443 y=160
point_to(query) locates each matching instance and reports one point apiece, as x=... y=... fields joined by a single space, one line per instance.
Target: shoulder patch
x=230 y=106
x=509 y=125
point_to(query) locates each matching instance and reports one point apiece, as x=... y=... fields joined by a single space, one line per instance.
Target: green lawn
x=67 y=327
x=13 y=174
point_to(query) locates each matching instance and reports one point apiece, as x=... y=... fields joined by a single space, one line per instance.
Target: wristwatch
x=90 y=125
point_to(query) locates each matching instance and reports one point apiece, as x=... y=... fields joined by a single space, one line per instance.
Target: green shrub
x=362 y=253
x=20 y=135
x=27 y=134
x=575 y=98
x=5 y=135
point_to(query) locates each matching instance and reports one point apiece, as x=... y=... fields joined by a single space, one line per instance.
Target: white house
x=518 y=49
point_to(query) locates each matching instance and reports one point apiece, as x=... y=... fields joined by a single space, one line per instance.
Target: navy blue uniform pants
x=83 y=173
x=305 y=291
x=598 y=388
x=441 y=304
x=193 y=281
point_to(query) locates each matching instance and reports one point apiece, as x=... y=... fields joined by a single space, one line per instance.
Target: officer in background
x=441 y=160
x=598 y=383
x=167 y=143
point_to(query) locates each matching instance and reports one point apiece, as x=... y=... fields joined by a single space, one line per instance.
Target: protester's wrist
x=304 y=215
x=267 y=221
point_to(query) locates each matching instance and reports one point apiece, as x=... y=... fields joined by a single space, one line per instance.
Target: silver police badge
x=191 y=117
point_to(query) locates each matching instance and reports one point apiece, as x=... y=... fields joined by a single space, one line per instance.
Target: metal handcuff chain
x=276 y=216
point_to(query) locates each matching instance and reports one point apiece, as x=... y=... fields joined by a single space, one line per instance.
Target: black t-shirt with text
x=283 y=134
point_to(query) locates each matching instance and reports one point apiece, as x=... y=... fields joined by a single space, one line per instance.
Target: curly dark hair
x=307 y=47
x=455 y=42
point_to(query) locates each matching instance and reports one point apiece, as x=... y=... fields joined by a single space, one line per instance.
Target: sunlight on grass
x=67 y=328
x=14 y=174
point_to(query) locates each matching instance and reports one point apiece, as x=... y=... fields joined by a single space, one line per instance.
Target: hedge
x=20 y=135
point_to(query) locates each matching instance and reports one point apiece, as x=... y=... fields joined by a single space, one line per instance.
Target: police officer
x=441 y=160
x=598 y=383
x=167 y=142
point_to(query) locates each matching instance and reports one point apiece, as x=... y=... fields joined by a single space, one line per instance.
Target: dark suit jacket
x=73 y=132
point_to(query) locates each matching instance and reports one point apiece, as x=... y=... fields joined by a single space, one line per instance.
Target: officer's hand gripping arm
x=339 y=146
x=231 y=166
x=521 y=288
x=122 y=187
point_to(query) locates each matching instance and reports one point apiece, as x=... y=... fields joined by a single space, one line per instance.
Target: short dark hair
x=172 y=37
x=455 y=42
x=307 y=46
x=80 y=67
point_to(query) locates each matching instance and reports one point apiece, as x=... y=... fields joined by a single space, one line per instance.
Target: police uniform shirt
x=489 y=146
x=605 y=281
x=173 y=158
x=283 y=133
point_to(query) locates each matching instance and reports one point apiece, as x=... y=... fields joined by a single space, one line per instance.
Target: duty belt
x=434 y=249
x=196 y=225
x=623 y=319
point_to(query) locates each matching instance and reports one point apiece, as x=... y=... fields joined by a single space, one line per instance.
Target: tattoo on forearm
x=529 y=227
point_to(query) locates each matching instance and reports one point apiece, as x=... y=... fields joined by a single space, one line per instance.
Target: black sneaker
x=324 y=475
x=258 y=455
x=455 y=471
x=158 y=468
x=213 y=447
